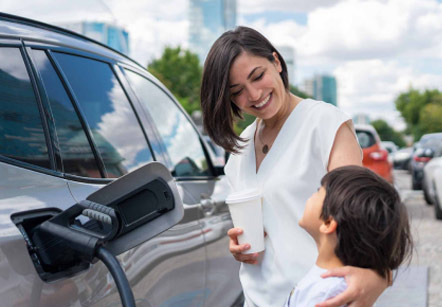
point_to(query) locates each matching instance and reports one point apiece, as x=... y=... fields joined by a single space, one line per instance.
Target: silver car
x=75 y=115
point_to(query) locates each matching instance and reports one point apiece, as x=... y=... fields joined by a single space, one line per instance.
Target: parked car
x=402 y=158
x=437 y=187
x=428 y=174
x=75 y=115
x=423 y=153
x=391 y=147
x=375 y=157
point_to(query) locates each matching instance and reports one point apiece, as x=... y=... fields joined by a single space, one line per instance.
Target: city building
x=322 y=87
x=288 y=53
x=208 y=20
x=108 y=34
x=361 y=118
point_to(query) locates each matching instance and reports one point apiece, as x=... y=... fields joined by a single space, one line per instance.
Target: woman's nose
x=254 y=94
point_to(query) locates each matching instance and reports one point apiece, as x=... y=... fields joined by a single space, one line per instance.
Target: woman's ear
x=277 y=62
x=328 y=226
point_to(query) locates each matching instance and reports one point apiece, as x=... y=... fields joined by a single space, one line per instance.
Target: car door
x=100 y=137
x=203 y=192
x=28 y=180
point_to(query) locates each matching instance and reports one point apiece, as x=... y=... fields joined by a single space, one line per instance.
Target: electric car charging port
x=112 y=220
x=27 y=222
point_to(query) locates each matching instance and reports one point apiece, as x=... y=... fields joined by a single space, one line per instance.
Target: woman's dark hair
x=219 y=112
x=373 y=229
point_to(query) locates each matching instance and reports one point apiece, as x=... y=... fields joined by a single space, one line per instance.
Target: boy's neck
x=327 y=258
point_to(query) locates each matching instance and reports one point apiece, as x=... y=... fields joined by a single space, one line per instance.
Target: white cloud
x=371 y=87
x=372 y=29
x=258 y=6
x=151 y=24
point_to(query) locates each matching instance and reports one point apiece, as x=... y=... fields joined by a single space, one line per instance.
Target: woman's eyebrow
x=248 y=77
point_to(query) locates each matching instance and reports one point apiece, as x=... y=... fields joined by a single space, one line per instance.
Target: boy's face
x=311 y=220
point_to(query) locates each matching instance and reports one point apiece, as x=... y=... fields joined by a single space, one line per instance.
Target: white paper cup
x=246 y=211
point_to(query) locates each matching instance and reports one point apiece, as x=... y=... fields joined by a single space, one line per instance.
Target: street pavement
x=420 y=283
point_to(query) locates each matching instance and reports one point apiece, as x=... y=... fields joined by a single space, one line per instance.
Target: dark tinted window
x=115 y=128
x=365 y=138
x=21 y=131
x=181 y=139
x=75 y=149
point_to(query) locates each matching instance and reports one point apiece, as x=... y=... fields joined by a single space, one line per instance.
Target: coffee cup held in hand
x=246 y=210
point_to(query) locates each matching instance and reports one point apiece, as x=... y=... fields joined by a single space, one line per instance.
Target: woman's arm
x=345 y=150
x=364 y=285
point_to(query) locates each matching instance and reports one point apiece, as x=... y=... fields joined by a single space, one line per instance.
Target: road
x=427 y=236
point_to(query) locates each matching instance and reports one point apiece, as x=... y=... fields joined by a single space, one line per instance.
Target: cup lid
x=243 y=196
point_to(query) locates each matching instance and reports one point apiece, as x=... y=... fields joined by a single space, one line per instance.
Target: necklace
x=265 y=147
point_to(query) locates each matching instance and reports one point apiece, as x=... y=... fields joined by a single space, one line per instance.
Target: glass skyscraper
x=322 y=87
x=110 y=35
x=208 y=20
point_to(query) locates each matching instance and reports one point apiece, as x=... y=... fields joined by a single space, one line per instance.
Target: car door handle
x=208 y=206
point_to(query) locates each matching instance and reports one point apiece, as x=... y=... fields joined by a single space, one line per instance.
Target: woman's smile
x=264 y=103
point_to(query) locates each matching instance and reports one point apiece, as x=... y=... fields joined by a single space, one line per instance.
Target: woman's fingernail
x=247 y=246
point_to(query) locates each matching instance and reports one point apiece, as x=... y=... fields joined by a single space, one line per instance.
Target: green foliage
x=431 y=118
x=180 y=71
x=387 y=133
x=419 y=110
x=298 y=92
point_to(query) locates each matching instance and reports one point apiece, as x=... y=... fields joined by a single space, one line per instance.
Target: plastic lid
x=243 y=196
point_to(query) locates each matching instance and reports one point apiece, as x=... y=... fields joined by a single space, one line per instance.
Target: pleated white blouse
x=287 y=176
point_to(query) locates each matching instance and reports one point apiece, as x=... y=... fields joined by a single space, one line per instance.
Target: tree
x=431 y=118
x=298 y=92
x=180 y=71
x=387 y=133
x=412 y=103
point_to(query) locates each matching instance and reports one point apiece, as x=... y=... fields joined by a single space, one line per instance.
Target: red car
x=375 y=157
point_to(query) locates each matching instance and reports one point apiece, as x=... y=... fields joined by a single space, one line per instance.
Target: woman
x=285 y=152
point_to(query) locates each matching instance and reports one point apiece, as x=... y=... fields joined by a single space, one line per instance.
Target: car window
x=114 y=127
x=21 y=131
x=365 y=138
x=76 y=153
x=180 y=138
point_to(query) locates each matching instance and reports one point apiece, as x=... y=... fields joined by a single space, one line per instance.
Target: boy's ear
x=328 y=226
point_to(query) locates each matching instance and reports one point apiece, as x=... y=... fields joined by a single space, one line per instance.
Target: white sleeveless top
x=288 y=175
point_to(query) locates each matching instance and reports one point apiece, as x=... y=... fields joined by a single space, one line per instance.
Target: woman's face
x=256 y=86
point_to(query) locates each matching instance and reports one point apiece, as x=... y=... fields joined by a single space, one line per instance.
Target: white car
x=437 y=186
x=433 y=166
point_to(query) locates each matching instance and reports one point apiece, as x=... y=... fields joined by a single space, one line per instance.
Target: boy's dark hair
x=373 y=229
x=219 y=112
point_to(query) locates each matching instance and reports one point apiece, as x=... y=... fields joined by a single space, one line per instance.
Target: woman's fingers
x=237 y=249
x=364 y=287
x=337 y=272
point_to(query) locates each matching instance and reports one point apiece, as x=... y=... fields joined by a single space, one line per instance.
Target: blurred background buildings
x=109 y=34
x=208 y=19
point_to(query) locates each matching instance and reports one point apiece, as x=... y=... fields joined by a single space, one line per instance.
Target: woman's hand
x=364 y=287
x=237 y=249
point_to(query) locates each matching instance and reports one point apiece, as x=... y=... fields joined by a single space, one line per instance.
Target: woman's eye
x=236 y=93
x=259 y=77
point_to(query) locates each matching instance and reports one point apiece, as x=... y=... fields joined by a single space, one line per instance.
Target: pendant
x=265 y=149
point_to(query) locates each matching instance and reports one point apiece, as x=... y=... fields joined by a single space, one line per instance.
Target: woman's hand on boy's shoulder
x=364 y=286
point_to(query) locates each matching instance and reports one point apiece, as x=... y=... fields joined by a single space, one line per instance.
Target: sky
x=376 y=49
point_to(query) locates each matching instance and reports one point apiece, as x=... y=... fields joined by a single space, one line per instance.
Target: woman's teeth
x=263 y=103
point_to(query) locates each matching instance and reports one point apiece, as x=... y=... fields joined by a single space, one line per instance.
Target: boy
x=356 y=218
